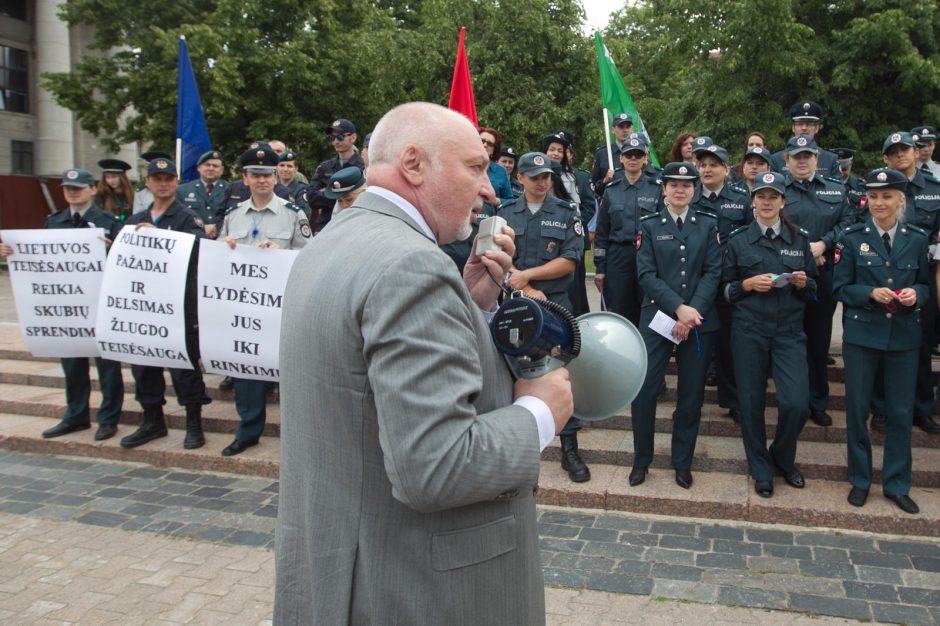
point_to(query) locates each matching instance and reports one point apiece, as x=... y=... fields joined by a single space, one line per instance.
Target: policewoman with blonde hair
x=881 y=277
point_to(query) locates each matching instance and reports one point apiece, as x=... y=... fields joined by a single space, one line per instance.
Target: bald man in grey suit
x=409 y=458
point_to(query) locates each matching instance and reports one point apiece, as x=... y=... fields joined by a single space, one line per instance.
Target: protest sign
x=140 y=309
x=56 y=276
x=240 y=297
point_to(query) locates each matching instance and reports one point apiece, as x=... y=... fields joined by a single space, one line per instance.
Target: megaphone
x=604 y=353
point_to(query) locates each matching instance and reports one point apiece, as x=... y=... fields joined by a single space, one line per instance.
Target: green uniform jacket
x=194 y=196
x=862 y=263
x=93 y=218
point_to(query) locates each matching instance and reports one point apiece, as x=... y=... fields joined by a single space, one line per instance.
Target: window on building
x=14 y=80
x=13 y=8
x=22 y=157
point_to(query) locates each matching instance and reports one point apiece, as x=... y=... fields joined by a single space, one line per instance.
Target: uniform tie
x=887 y=239
x=209 y=188
x=770 y=233
x=76 y=220
x=679 y=223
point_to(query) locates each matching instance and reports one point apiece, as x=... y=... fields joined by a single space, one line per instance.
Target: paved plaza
x=92 y=541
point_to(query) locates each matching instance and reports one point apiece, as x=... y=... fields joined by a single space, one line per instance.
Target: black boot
x=153 y=428
x=571 y=461
x=194 y=437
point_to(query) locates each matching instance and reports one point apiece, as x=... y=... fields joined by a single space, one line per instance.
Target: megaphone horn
x=604 y=353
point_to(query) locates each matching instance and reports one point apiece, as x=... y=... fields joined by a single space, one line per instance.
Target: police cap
x=344 y=181
x=802 y=143
x=150 y=155
x=341 y=126
x=925 y=133
x=758 y=151
x=259 y=160
x=716 y=151
x=211 y=154
x=510 y=152
x=534 y=163
x=679 y=171
x=806 y=111
x=634 y=143
x=77 y=178
x=886 y=178
x=116 y=166
x=623 y=118
x=701 y=143
x=288 y=155
x=898 y=139
x=161 y=166
x=770 y=180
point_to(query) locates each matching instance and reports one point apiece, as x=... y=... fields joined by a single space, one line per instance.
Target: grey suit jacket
x=407 y=476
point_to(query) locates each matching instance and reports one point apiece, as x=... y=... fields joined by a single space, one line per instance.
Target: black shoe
x=105 y=431
x=830 y=360
x=194 y=437
x=904 y=503
x=858 y=496
x=684 y=478
x=821 y=418
x=879 y=423
x=63 y=428
x=735 y=415
x=926 y=424
x=226 y=384
x=153 y=427
x=571 y=461
x=237 y=447
x=764 y=488
x=711 y=378
x=637 y=476
x=794 y=478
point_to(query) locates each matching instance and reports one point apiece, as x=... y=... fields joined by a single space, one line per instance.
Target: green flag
x=614 y=95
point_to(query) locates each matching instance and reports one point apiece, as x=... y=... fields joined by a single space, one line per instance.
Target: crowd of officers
x=748 y=260
x=272 y=206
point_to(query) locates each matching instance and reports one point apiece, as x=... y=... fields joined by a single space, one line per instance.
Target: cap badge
x=915 y=137
x=699 y=141
x=683 y=170
x=757 y=150
x=896 y=137
x=254 y=145
x=634 y=142
x=806 y=106
x=161 y=164
x=260 y=154
x=71 y=175
x=801 y=141
x=336 y=184
x=538 y=160
x=925 y=132
x=216 y=155
x=560 y=135
x=336 y=124
x=712 y=148
x=882 y=177
x=768 y=178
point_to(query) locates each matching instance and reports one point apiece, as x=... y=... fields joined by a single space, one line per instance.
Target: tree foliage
x=285 y=69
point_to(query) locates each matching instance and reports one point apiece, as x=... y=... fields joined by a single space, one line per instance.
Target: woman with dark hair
x=492 y=142
x=115 y=193
x=682 y=148
x=754 y=139
x=768 y=279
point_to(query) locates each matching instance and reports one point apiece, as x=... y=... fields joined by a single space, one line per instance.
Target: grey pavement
x=593 y=561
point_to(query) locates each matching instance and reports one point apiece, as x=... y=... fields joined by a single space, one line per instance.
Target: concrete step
x=816 y=460
x=725 y=496
x=715 y=494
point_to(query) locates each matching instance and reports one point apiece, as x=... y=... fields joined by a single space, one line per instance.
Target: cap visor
x=537 y=171
x=260 y=169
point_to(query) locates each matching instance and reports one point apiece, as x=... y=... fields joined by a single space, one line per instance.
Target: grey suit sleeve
x=424 y=367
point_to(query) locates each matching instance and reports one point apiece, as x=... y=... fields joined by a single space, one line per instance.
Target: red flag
x=461 y=89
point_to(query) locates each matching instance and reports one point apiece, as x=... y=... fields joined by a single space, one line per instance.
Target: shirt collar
x=409 y=209
x=891 y=233
x=683 y=215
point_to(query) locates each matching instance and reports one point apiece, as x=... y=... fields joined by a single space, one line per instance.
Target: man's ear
x=414 y=164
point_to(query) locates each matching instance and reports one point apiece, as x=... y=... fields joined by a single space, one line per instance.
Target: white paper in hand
x=782 y=280
x=663 y=324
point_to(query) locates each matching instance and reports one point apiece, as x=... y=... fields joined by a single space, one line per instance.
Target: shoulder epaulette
x=707 y=213
x=930 y=177
x=854 y=228
x=803 y=232
x=833 y=179
x=649 y=216
x=917 y=229
x=292 y=206
x=571 y=206
x=739 y=188
x=739 y=229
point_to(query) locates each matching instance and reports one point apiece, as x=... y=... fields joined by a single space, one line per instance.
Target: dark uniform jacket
x=923 y=202
x=732 y=206
x=618 y=218
x=553 y=232
x=295 y=191
x=679 y=267
x=863 y=263
x=819 y=206
x=750 y=253
x=197 y=199
x=321 y=178
x=857 y=194
x=93 y=218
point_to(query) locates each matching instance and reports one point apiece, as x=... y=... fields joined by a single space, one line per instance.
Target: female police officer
x=767 y=278
x=881 y=277
x=679 y=267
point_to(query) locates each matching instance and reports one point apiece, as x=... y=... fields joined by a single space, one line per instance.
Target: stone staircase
x=32 y=399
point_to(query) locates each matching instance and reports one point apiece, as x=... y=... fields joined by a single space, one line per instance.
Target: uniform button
x=890 y=281
x=887 y=263
x=682 y=273
x=683 y=285
x=855 y=317
x=682 y=247
x=869 y=263
x=888 y=315
x=682 y=259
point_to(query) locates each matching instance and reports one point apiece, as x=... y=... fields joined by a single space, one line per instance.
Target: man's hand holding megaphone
x=554 y=389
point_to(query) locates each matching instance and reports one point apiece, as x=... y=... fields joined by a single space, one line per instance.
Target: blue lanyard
x=254 y=226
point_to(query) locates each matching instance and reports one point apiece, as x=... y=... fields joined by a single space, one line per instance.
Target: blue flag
x=192 y=136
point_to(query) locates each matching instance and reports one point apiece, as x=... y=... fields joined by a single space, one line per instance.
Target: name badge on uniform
x=664 y=237
x=550 y=247
x=865 y=250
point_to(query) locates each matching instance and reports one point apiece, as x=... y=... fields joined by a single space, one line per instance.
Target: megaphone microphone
x=604 y=353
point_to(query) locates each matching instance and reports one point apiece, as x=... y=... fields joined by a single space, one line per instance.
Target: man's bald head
x=432 y=157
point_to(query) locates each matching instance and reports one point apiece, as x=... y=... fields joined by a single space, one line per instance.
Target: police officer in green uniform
x=168 y=213
x=263 y=220
x=206 y=195
x=602 y=171
x=818 y=205
x=288 y=176
x=926 y=137
x=78 y=187
x=733 y=207
x=882 y=278
x=806 y=118
x=625 y=201
x=767 y=277
x=549 y=242
x=679 y=267
x=854 y=187
x=508 y=157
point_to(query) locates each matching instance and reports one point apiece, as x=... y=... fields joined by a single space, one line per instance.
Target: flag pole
x=610 y=154
x=179 y=139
